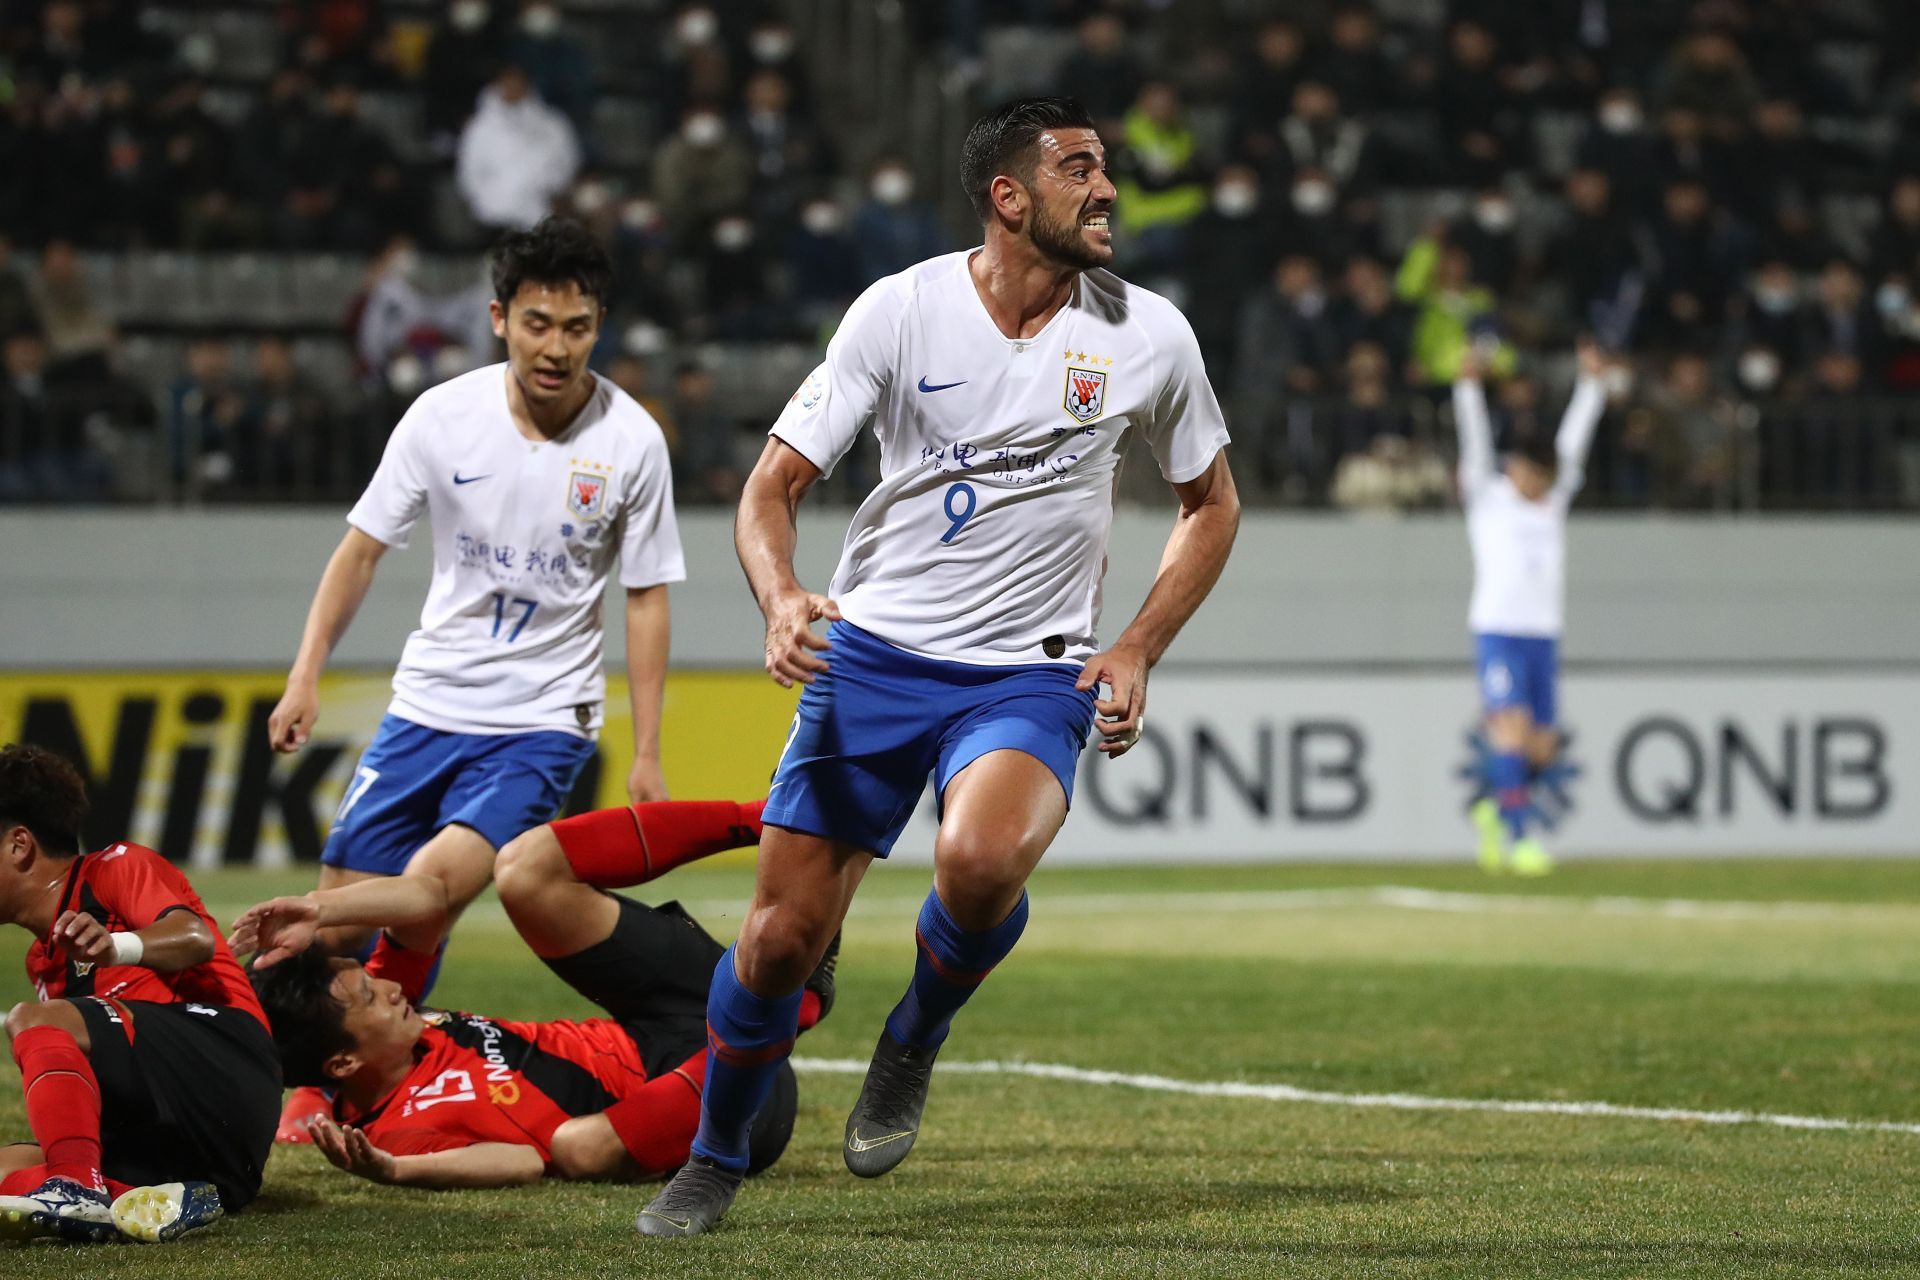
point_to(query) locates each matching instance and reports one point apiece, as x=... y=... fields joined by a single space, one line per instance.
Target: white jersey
x=1520 y=547
x=524 y=535
x=986 y=538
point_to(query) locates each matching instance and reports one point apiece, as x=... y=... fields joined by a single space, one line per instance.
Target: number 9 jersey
x=525 y=535
x=986 y=539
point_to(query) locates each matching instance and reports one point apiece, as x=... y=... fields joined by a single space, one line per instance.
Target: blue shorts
x=413 y=780
x=1519 y=671
x=870 y=731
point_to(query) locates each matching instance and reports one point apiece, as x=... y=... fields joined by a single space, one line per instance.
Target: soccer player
x=432 y=1098
x=1000 y=381
x=536 y=475
x=1517 y=523
x=150 y=1080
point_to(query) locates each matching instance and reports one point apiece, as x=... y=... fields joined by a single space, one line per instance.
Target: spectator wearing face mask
x=772 y=46
x=823 y=265
x=893 y=229
x=1840 y=319
x=1616 y=143
x=1315 y=135
x=787 y=150
x=1452 y=311
x=699 y=67
x=701 y=173
x=734 y=275
x=555 y=61
x=1232 y=248
x=1591 y=272
x=467 y=44
x=1487 y=234
x=516 y=154
x=1767 y=317
x=1286 y=350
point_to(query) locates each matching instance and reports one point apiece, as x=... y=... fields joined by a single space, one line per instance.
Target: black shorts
x=651 y=976
x=193 y=1094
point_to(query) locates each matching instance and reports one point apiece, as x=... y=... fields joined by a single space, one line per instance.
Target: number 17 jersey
x=986 y=539
x=525 y=534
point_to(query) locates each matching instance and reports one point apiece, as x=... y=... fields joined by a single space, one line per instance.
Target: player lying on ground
x=151 y=1083
x=433 y=1098
x=961 y=644
x=1517 y=523
x=536 y=476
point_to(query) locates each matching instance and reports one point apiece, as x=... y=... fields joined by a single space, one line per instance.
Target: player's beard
x=1066 y=243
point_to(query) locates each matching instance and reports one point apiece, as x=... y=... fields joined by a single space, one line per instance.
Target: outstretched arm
x=1474 y=426
x=1575 y=436
x=484 y=1164
x=282 y=927
x=765 y=533
x=1196 y=553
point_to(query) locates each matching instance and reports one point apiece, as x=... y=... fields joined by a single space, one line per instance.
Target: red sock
x=656 y=1125
x=616 y=848
x=63 y=1102
x=411 y=969
x=809 y=1009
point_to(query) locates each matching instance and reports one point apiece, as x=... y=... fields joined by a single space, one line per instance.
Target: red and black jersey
x=127 y=887
x=479 y=1079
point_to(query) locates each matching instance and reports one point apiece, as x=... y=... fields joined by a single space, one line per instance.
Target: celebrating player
x=1000 y=382
x=438 y=1099
x=1517 y=523
x=536 y=474
x=150 y=1080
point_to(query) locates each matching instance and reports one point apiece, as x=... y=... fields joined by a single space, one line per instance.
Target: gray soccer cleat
x=693 y=1202
x=886 y=1118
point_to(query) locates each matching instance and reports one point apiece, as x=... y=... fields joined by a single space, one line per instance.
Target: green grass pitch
x=1540 y=991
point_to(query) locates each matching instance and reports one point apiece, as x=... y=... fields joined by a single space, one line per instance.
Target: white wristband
x=127 y=948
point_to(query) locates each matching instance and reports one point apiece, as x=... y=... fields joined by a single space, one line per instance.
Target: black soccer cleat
x=820 y=981
x=886 y=1118
x=693 y=1202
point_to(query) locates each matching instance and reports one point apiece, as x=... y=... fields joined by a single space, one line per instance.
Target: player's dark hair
x=1539 y=450
x=42 y=792
x=555 y=251
x=1001 y=141
x=309 y=1025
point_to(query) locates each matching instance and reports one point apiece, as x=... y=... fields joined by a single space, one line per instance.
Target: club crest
x=1086 y=394
x=586 y=494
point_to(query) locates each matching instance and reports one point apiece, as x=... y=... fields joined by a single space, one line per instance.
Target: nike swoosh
x=460 y=479
x=857 y=1143
x=680 y=1224
x=942 y=386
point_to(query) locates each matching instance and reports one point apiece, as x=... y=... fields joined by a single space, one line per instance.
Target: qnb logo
x=1550 y=786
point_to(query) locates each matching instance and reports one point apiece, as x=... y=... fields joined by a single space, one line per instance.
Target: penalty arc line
x=1392 y=1101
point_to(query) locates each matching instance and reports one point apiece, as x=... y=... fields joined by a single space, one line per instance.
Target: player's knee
x=584 y=1150
x=32 y=1013
x=967 y=866
x=529 y=863
x=779 y=945
x=1509 y=729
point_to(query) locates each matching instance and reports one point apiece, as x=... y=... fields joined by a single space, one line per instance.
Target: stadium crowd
x=1343 y=196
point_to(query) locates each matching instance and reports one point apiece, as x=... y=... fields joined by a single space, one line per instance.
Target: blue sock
x=1507 y=771
x=951 y=964
x=747 y=1036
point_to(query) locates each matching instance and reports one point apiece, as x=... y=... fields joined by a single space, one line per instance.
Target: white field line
x=1393 y=1101
x=1398 y=897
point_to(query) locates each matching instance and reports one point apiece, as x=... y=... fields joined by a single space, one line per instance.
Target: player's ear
x=1009 y=197
x=16 y=846
x=499 y=314
x=341 y=1065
